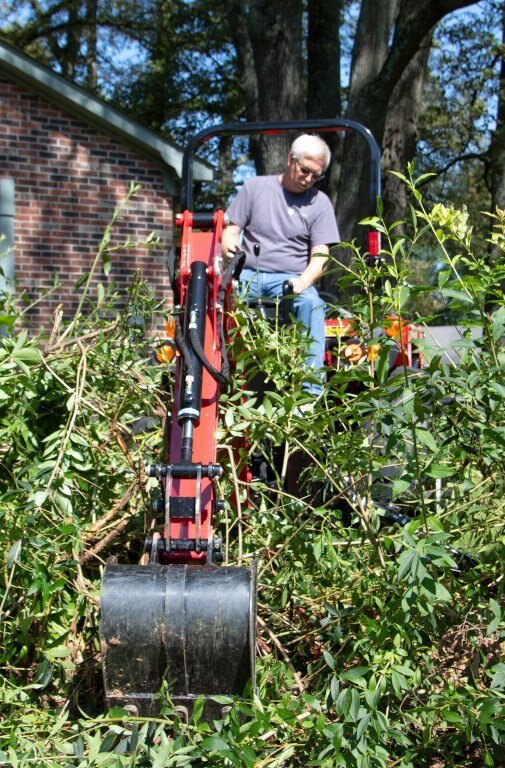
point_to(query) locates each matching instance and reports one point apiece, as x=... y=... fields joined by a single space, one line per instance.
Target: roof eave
x=76 y=100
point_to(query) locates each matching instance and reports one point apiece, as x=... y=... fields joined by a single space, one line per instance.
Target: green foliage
x=379 y=645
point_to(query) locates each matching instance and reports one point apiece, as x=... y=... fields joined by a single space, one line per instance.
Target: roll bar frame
x=320 y=126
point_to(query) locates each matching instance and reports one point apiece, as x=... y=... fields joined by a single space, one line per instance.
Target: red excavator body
x=182 y=623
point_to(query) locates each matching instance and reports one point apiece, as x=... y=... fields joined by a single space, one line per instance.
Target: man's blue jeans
x=309 y=310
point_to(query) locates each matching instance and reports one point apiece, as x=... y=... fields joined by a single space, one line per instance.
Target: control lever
x=259 y=301
x=287 y=303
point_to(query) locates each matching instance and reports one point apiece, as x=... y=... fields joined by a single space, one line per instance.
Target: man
x=292 y=225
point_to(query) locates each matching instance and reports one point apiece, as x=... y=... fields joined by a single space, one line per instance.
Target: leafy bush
x=379 y=644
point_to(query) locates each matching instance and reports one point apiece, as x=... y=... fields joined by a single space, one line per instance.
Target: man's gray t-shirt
x=284 y=224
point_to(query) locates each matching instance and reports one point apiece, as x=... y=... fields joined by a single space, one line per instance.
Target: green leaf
x=118 y=712
x=497 y=675
x=197 y=709
x=495 y=622
x=372 y=698
x=106 y=262
x=44 y=673
x=498 y=323
x=382 y=364
x=399 y=487
x=354 y=674
x=39 y=498
x=363 y=725
x=439 y=471
x=343 y=703
x=214 y=743
x=425 y=176
x=489 y=710
x=162 y=756
x=334 y=688
x=442 y=594
x=26 y=355
x=13 y=554
x=459 y=295
x=225 y=700
x=60 y=652
x=434 y=523
x=399 y=682
x=426 y=439
x=355 y=705
x=108 y=742
x=498 y=388
x=312 y=701
x=7 y=320
x=403 y=296
x=405 y=562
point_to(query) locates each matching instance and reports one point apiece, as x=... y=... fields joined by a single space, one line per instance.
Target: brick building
x=66 y=161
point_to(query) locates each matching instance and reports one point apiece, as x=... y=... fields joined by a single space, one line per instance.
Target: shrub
x=378 y=644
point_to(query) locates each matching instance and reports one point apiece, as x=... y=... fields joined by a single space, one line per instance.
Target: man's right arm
x=230 y=238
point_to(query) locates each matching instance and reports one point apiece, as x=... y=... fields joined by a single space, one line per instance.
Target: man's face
x=303 y=173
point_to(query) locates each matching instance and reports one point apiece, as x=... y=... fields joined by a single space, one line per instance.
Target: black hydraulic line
x=225 y=364
x=193 y=336
x=179 y=338
x=222 y=377
x=200 y=353
x=182 y=347
x=321 y=126
x=232 y=271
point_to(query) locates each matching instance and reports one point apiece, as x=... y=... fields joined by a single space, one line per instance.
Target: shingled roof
x=95 y=111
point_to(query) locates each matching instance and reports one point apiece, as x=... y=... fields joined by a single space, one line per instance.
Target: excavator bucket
x=190 y=627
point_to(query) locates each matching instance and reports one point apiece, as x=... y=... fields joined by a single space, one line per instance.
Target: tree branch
x=482 y=156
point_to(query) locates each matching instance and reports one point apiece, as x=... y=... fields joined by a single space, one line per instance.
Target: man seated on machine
x=287 y=227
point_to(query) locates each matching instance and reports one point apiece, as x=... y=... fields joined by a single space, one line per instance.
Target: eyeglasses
x=308 y=171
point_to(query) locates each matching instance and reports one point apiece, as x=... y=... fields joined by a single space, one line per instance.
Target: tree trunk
x=91 y=44
x=324 y=86
x=248 y=78
x=390 y=35
x=71 y=49
x=225 y=179
x=323 y=59
x=497 y=146
x=401 y=133
x=376 y=70
x=268 y=36
x=496 y=155
x=370 y=53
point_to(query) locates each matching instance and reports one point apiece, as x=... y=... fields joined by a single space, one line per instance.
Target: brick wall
x=68 y=179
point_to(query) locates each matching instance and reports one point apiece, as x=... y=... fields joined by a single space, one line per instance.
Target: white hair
x=309 y=144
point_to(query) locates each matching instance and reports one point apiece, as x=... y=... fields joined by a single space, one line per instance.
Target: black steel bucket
x=191 y=625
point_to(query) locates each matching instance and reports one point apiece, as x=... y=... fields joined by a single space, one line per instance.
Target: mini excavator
x=183 y=620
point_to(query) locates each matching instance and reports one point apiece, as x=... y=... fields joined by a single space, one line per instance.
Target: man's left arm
x=314 y=270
